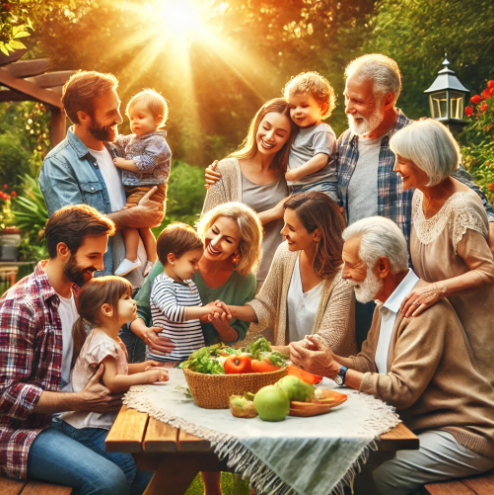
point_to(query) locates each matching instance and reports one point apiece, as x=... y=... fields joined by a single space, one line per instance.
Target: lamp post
x=447 y=98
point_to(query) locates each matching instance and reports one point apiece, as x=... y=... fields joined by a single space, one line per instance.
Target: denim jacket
x=70 y=175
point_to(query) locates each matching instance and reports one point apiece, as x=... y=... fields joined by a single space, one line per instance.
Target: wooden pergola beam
x=12 y=57
x=28 y=68
x=30 y=89
x=10 y=95
x=52 y=79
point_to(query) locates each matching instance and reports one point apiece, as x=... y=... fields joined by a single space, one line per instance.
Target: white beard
x=368 y=289
x=368 y=125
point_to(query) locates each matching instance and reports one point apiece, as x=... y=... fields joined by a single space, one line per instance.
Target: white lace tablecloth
x=317 y=455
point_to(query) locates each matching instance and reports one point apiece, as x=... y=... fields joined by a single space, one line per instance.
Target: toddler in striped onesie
x=175 y=302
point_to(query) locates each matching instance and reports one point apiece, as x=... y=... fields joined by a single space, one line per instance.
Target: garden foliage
x=478 y=152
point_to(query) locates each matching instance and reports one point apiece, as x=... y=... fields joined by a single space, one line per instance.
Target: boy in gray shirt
x=311 y=162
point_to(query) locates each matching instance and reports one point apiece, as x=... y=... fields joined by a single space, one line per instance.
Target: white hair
x=430 y=146
x=379 y=237
x=384 y=71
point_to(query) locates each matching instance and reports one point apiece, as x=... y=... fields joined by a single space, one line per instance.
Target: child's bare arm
x=126 y=164
x=193 y=313
x=316 y=163
x=139 y=367
x=121 y=383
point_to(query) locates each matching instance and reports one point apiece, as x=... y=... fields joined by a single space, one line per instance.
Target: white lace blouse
x=446 y=246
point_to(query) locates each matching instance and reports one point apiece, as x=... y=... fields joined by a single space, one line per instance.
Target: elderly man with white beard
x=419 y=365
x=367 y=184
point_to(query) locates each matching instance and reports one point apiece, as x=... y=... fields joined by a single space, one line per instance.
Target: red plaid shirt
x=30 y=362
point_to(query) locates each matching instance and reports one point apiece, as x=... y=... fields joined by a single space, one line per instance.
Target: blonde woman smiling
x=232 y=235
x=255 y=174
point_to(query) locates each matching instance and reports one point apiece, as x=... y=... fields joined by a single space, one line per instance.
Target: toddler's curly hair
x=314 y=84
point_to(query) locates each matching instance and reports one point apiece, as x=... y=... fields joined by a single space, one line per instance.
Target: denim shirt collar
x=82 y=150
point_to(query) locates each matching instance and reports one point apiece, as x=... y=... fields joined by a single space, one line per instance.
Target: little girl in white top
x=106 y=304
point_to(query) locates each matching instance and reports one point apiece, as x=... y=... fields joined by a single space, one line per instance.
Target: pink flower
x=469 y=111
x=475 y=99
x=5 y=186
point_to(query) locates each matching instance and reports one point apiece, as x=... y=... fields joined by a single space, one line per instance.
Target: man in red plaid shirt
x=36 y=317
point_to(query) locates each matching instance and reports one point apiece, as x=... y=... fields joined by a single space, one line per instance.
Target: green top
x=237 y=290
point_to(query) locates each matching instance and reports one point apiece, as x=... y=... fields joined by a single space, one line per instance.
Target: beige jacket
x=335 y=319
x=431 y=379
x=228 y=188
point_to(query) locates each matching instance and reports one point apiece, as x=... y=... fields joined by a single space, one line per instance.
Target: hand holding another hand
x=319 y=359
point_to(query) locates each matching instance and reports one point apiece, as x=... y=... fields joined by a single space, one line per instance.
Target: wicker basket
x=214 y=391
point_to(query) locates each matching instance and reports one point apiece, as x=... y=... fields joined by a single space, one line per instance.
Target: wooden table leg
x=173 y=477
x=176 y=471
x=364 y=483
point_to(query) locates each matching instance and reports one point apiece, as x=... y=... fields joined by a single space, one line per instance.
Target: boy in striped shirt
x=175 y=302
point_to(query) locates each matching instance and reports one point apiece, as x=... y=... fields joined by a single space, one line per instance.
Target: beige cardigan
x=228 y=188
x=335 y=318
x=431 y=379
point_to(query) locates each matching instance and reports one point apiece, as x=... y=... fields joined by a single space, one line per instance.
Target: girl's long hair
x=316 y=210
x=95 y=293
x=248 y=148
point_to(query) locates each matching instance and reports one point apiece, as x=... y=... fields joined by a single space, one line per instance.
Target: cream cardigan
x=431 y=379
x=228 y=188
x=335 y=318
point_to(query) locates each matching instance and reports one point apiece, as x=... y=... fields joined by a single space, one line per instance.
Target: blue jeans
x=136 y=347
x=329 y=188
x=65 y=455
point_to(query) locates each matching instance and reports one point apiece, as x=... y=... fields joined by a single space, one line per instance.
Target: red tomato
x=238 y=364
x=262 y=366
x=304 y=375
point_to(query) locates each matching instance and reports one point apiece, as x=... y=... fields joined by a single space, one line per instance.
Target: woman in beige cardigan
x=304 y=292
x=449 y=243
x=255 y=175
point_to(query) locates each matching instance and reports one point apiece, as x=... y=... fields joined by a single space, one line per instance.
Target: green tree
x=418 y=33
x=259 y=46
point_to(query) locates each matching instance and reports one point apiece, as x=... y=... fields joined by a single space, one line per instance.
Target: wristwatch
x=340 y=377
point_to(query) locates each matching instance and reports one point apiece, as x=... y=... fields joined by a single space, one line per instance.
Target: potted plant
x=10 y=236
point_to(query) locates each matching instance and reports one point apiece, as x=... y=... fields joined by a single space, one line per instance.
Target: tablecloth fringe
x=239 y=458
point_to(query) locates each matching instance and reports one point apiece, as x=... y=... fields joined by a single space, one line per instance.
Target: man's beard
x=368 y=289
x=107 y=133
x=75 y=273
x=367 y=125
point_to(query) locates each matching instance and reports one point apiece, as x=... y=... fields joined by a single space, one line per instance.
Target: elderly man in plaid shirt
x=367 y=185
x=36 y=318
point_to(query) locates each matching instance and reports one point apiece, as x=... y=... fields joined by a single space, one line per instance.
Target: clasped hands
x=219 y=313
x=314 y=356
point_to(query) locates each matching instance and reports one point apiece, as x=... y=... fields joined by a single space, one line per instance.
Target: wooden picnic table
x=177 y=457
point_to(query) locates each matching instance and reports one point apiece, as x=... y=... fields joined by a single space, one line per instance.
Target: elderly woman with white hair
x=449 y=240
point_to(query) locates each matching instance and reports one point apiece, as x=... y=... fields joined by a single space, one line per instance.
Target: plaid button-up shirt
x=30 y=362
x=392 y=202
